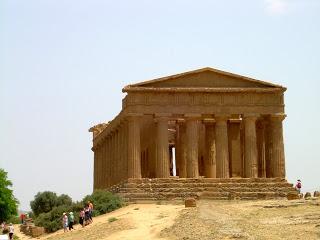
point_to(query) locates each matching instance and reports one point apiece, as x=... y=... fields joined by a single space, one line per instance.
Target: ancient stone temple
x=192 y=127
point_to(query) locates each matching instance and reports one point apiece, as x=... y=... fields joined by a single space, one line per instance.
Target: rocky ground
x=279 y=219
x=274 y=219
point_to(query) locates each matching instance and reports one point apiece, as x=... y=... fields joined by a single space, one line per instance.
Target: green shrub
x=52 y=220
x=14 y=220
x=103 y=202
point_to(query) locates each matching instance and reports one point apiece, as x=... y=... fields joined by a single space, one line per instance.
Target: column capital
x=180 y=121
x=192 y=116
x=277 y=117
x=209 y=121
x=222 y=117
x=250 y=116
x=161 y=117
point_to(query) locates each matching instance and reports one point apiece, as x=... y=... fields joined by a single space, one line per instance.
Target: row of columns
x=118 y=157
x=217 y=146
x=110 y=158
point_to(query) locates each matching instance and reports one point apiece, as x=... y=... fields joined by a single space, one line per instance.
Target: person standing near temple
x=298 y=186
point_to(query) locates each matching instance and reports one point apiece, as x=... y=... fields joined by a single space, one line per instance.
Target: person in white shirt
x=11 y=231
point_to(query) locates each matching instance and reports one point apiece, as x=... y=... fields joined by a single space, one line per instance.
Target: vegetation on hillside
x=48 y=207
x=8 y=203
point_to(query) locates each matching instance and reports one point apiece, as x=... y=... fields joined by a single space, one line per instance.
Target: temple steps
x=145 y=189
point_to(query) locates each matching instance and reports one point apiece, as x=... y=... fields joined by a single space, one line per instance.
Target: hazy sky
x=63 y=65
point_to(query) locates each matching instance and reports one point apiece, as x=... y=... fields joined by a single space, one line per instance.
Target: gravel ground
x=276 y=219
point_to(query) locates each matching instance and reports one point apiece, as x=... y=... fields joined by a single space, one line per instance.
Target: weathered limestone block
x=190 y=202
x=292 y=196
x=37 y=231
x=307 y=195
x=316 y=194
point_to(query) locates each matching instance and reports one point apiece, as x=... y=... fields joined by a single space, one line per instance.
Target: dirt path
x=137 y=221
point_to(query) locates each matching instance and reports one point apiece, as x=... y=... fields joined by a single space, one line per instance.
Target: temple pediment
x=205 y=79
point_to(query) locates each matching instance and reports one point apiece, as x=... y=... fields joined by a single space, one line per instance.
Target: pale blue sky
x=63 y=65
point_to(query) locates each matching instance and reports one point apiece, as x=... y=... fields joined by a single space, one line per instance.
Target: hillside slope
x=273 y=219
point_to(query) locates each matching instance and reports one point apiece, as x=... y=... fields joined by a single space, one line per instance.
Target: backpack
x=299 y=185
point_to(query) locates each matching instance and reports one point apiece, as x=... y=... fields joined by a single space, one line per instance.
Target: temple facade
x=205 y=123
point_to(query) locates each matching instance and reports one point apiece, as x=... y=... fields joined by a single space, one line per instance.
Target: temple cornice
x=129 y=89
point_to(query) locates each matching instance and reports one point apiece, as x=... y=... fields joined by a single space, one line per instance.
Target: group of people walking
x=85 y=217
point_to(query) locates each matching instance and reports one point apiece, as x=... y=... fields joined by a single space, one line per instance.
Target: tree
x=8 y=203
x=103 y=202
x=64 y=199
x=43 y=202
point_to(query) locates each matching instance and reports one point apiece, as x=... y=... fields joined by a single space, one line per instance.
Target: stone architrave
x=277 y=146
x=134 y=148
x=222 y=149
x=192 y=133
x=250 y=145
x=162 y=162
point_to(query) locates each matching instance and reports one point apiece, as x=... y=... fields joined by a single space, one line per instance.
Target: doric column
x=104 y=164
x=112 y=155
x=99 y=166
x=210 y=156
x=192 y=133
x=117 y=155
x=108 y=169
x=121 y=147
x=134 y=161
x=277 y=145
x=182 y=149
x=162 y=161
x=125 y=150
x=222 y=149
x=95 y=169
x=250 y=146
x=262 y=148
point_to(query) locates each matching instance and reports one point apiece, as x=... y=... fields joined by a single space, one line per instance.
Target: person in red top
x=298 y=186
x=22 y=218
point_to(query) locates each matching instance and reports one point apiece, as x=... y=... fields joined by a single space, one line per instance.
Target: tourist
x=22 y=217
x=11 y=231
x=81 y=217
x=87 y=215
x=90 y=204
x=3 y=226
x=71 y=220
x=298 y=186
x=65 y=222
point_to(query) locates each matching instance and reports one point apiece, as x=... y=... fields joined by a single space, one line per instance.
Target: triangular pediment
x=204 y=78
